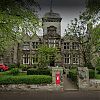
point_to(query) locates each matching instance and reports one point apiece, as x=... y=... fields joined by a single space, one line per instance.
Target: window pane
x=26 y=59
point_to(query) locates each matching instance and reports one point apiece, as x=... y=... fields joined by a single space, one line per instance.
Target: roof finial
x=50 y=5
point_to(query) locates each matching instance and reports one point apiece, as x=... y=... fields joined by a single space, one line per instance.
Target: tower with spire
x=51 y=23
x=50 y=5
x=51 y=19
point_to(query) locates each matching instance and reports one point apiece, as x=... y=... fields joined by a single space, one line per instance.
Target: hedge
x=98 y=69
x=33 y=71
x=12 y=66
x=26 y=79
x=73 y=74
x=91 y=73
x=14 y=71
x=98 y=76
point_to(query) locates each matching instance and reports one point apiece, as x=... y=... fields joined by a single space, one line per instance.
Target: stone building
x=26 y=51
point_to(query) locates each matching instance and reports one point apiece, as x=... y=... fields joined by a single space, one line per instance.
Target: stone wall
x=94 y=84
x=83 y=78
x=24 y=87
x=84 y=82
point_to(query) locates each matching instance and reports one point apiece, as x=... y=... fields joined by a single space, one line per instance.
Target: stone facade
x=26 y=51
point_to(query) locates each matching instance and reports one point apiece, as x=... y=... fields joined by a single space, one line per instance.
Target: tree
x=16 y=17
x=79 y=29
x=95 y=42
x=93 y=6
x=92 y=12
x=46 y=55
x=95 y=37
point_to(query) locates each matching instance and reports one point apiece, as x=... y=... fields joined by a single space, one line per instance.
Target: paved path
x=68 y=84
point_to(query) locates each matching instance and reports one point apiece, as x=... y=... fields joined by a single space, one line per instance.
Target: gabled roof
x=35 y=37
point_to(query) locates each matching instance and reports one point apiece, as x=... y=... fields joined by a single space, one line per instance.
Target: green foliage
x=5 y=73
x=33 y=71
x=98 y=76
x=98 y=69
x=74 y=66
x=35 y=65
x=12 y=66
x=91 y=73
x=14 y=71
x=98 y=65
x=73 y=74
x=95 y=41
x=16 y=20
x=91 y=14
x=95 y=37
x=24 y=67
x=89 y=65
x=44 y=55
x=77 y=31
x=93 y=6
x=26 y=79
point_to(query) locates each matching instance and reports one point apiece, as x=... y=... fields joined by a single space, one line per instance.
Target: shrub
x=24 y=67
x=14 y=71
x=97 y=76
x=73 y=67
x=33 y=71
x=12 y=66
x=73 y=74
x=91 y=73
x=26 y=79
x=35 y=66
x=89 y=65
x=98 y=69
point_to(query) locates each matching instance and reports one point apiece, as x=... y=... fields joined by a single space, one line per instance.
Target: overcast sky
x=68 y=10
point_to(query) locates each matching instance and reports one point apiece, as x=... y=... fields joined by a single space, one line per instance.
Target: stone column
x=83 y=78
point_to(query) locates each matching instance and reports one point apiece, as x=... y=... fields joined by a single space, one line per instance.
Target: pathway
x=68 y=84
